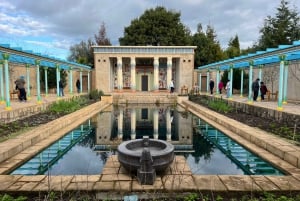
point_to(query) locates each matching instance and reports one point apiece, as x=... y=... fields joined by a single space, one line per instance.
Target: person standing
x=61 y=88
x=228 y=87
x=255 y=89
x=20 y=85
x=172 y=86
x=211 y=86
x=263 y=90
x=220 y=86
x=78 y=86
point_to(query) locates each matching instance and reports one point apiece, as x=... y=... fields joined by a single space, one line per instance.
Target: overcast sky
x=52 y=26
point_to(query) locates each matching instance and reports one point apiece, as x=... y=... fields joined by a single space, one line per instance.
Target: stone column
x=155 y=74
x=260 y=78
x=168 y=124
x=285 y=82
x=1 y=83
x=120 y=124
x=207 y=82
x=71 y=80
x=231 y=81
x=218 y=81
x=133 y=123
x=80 y=77
x=38 y=86
x=169 y=71
x=242 y=82
x=200 y=82
x=88 y=84
x=120 y=74
x=250 y=100
x=280 y=83
x=28 y=81
x=155 y=123
x=46 y=80
x=132 y=73
x=6 y=75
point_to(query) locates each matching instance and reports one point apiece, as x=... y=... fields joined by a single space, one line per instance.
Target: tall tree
x=208 y=48
x=101 y=38
x=284 y=28
x=82 y=53
x=233 y=49
x=156 y=27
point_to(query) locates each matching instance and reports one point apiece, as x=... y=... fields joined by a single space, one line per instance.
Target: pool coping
x=116 y=182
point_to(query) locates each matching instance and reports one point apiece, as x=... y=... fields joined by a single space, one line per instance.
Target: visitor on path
x=196 y=88
x=263 y=90
x=228 y=88
x=172 y=86
x=220 y=86
x=61 y=88
x=20 y=85
x=211 y=86
x=255 y=89
x=78 y=86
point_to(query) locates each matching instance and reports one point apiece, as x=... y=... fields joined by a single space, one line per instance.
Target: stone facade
x=142 y=68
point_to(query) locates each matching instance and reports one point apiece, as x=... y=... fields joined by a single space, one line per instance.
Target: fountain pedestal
x=146 y=157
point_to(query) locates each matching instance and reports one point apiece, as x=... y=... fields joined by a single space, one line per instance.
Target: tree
x=101 y=38
x=233 y=49
x=208 y=48
x=156 y=27
x=284 y=28
x=83 y=52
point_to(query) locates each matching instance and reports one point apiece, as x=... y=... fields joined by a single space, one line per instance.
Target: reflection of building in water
x=125 y=123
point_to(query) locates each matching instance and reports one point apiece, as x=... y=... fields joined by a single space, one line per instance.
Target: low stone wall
x=58 y=127
x=146 y=98
x=287 y=151
x=280 y=116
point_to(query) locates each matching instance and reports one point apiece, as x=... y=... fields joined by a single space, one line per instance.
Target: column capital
x=1 y=62
x=282 y=57
x=5 y=56
x=119 y=61
x=27 y=65
x=286 y=62
x=230 y=66
x=251 y=63
x=57 y=66
x=37 y=62
x=156 y=62
x=70 y=68
x=45 y=68
x=132 y=61
x=261 y=65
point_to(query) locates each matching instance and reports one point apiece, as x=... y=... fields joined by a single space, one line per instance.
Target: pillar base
x=8 y=108
x=280 y=108
x=250 y=102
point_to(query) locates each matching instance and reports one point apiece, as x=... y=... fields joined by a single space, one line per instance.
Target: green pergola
x=282 y=55
x=30 y=59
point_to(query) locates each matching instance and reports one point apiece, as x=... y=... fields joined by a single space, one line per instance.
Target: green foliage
x=220 y=106
x=82 y=53
x=156 y=27
x=51 y=77
x=67 y=106
x=283 y=28
x=95 y=94
x=208 y=48
x=191 y=197
x=7 y=197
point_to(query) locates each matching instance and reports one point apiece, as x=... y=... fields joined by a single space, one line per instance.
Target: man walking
x=255 y=89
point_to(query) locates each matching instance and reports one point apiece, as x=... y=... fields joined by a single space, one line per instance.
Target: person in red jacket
x=263 y=90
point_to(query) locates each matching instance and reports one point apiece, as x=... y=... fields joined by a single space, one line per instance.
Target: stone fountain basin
x=129 y=153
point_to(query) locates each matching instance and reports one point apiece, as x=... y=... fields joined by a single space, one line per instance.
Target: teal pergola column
x=6 y=75
x=285 y=82
x=80 y=76
x=28 y=81
x=218 y=80
x=231 y=81
x=280 y=85
x=71 y=80
x=250 y=99
x=88 y=84
x=242 y=82
x=57 y=79
x=38 y=85
x=200 y=82
x=207 y=82
x=260 y=78
x=1 y=83
x=46 y=80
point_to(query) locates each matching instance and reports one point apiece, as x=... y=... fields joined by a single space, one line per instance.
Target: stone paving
x=178 y=179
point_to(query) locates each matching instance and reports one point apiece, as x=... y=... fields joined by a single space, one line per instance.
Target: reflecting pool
x=86 y=149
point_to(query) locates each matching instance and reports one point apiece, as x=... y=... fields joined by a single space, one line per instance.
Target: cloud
x=67 y=22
